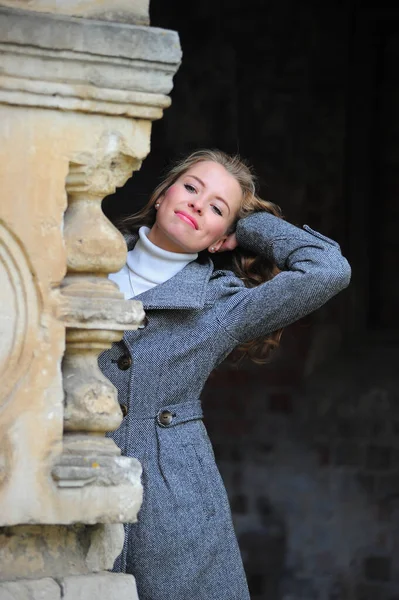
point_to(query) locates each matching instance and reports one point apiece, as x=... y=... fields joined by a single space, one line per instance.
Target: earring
x=157 y=205
x=212 y=249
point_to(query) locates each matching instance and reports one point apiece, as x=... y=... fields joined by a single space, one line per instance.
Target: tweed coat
x=183 y=546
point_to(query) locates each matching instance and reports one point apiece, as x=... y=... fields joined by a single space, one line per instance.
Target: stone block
x=35 y=551
x=101 y=586
x=109 y=69
x=106 y=39
x=24 y=589
x=106 y=543
x=126 y=11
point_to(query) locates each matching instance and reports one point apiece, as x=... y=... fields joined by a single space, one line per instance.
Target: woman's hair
x=249 y=267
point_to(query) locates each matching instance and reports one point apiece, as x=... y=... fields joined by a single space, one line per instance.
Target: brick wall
x=312 y=474
x=308 y=445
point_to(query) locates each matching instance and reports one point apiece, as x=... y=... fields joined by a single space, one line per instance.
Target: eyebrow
x=203 y=185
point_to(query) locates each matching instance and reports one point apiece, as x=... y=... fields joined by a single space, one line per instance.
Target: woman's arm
x=313 y=271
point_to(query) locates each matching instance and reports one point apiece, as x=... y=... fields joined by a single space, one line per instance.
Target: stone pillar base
x=99 y=586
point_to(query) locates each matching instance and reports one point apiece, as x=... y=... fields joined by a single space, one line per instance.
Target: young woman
x=183 y=546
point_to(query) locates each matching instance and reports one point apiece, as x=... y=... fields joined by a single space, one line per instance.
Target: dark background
x=308 y=445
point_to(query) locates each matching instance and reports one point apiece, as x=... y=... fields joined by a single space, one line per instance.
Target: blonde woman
x=183 y=546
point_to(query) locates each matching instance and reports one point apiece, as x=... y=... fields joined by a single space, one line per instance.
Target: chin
x=183 y=243
x=180 y=246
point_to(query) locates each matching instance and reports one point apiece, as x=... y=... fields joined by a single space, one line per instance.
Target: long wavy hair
x=249 y=267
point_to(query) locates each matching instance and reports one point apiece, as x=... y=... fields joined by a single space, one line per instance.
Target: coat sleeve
x=313 y=271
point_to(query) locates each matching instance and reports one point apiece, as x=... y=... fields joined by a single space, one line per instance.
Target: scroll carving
x=20 y=308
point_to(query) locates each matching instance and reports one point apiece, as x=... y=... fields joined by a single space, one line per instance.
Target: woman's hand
x=229 y=244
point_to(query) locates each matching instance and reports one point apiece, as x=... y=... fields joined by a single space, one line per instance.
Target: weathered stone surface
x=44 y=142
x=78 y=471
x=102 y=586
x=95 y=37
x=128 y=11
x=34 y=551
x=51 y=159
x=81 y=309
x=40 y=589
x=77 y=443
x=72 y=64
x=77 y=99
x=97 y=313
x=106 y=544
x=19 y=301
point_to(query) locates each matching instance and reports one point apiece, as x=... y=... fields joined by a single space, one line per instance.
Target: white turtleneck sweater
x=148 y=265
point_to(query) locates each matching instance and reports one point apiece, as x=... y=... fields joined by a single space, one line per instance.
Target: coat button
x=123 y=409
x=124 y=362
x=165 y=417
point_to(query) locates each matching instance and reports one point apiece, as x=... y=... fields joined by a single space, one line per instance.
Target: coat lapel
x=187 y=289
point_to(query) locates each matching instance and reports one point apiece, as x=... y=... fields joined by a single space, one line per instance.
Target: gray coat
x=183 y=546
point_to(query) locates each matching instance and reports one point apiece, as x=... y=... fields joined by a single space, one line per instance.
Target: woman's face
x=196 y=212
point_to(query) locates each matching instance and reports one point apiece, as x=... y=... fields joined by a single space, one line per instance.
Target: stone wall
x=77 y=100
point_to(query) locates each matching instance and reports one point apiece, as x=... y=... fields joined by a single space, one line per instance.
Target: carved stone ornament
x=77 y=98
x=59 y=62
x=95 y=314
x=20 y=306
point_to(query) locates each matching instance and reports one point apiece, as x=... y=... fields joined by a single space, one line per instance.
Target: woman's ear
x=225 y=243
x=159 y=201
x=215 y=247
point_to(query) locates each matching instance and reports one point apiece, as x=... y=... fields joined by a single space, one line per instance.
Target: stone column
x=78 y=93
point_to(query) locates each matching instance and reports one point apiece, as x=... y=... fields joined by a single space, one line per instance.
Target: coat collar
x=186 y=289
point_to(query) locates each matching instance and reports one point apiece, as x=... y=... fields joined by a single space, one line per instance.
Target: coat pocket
x=187 y=466
x=202 y=474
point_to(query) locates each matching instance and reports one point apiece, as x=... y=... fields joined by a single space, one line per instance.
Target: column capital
x=126 y=11
x=84 y=65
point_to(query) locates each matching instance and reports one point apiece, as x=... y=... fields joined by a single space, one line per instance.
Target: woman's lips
x=185 y=217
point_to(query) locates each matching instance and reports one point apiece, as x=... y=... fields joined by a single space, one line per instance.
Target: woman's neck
x=150 y=265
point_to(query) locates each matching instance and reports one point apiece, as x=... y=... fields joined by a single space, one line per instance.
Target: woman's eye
x=217 y=210
x=190 y=188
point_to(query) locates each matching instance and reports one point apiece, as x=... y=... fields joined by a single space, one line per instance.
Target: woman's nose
x=196 y=205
